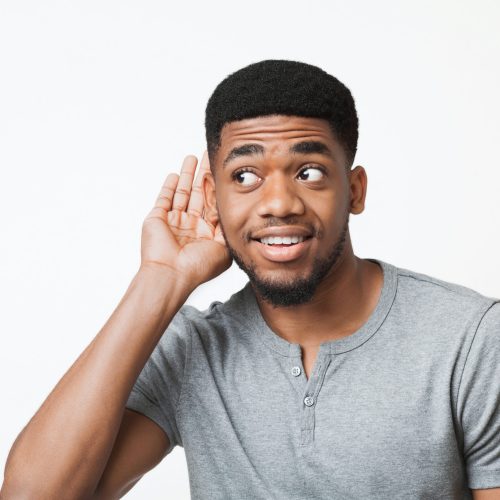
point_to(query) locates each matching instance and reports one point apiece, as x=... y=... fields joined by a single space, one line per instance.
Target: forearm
x=63 y=450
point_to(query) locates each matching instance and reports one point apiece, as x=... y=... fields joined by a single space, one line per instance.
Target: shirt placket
x=308 y=391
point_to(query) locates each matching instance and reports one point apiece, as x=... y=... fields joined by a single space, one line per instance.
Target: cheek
x=324 y=205
x=234 y=216
x=330 y=212
x=338 y=196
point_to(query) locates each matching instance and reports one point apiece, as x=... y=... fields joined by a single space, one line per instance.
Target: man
x=326 y=376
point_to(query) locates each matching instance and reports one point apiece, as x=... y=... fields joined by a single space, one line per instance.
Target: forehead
x=276 y=135
x=275 y=128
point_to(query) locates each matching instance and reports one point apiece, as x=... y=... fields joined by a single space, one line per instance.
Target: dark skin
x=276 y=189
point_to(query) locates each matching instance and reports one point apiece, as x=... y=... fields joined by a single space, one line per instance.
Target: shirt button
x=296 y=371
x=309 y=401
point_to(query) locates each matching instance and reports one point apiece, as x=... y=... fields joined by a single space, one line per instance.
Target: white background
x=99 y=101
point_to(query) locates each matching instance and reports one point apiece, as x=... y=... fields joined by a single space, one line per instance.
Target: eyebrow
x=303 y=147
x=245 y=150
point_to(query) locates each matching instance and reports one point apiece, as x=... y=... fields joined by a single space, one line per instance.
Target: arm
x=141 y=444
x=490 y=494
x=64 y=450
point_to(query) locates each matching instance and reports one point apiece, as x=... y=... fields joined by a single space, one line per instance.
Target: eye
x=311 y=174
x=245 y=178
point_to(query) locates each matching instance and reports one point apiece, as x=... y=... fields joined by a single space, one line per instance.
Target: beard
x=291 y=292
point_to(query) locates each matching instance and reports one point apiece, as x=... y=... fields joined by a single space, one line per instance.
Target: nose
x=279 y=197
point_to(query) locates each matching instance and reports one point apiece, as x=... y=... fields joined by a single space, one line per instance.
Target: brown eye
x=245 y=178
x=311 y=174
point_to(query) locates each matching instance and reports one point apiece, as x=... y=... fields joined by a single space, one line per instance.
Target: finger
x=196 y=202
x=183 y=190
x=166 y=195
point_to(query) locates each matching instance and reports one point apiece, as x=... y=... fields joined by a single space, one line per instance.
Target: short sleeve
x=478 y=405
x=157 y=390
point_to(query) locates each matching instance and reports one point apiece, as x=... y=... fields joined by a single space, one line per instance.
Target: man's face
x=283 y=202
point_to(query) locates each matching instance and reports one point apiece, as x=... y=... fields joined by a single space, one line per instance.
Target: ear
x=210 y=200
x=358 y=183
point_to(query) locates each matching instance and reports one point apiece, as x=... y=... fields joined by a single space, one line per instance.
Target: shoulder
x=218 y=319
x=443 y=297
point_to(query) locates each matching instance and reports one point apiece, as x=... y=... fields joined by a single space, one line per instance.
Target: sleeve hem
x=136 y=402
x=483 y=478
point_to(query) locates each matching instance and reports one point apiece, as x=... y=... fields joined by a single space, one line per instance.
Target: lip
x=283 y=253
x=282 y=231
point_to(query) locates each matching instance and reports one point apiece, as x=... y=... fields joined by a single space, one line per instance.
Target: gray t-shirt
x=408 y=406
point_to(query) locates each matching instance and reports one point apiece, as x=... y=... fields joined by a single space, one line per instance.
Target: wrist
x=158 y=293
x=163 y=277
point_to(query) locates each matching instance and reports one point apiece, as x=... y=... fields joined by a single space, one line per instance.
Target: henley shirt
x=407 y=406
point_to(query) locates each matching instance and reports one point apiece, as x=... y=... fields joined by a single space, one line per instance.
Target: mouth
x=283 y=249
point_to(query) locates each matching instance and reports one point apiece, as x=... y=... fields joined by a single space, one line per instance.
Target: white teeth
x=277 y=240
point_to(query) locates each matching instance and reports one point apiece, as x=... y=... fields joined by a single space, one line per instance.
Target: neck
x=341 y=305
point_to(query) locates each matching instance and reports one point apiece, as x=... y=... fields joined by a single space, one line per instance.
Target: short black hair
x=282 y=87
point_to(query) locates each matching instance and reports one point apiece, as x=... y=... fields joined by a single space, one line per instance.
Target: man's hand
x=177 y=237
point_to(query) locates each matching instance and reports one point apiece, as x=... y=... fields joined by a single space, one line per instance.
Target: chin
x=287 y=288
x=285 y=293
